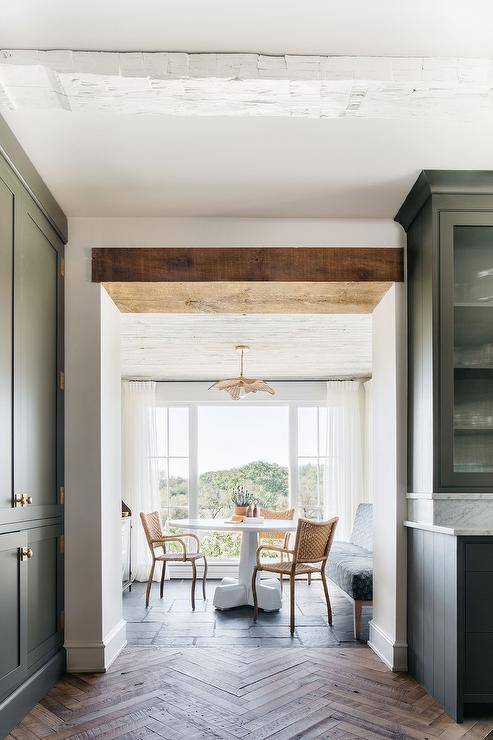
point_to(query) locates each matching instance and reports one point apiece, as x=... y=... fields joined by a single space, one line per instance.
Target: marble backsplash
x=453 y=510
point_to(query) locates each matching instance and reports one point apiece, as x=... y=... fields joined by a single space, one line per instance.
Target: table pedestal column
x=238 y=591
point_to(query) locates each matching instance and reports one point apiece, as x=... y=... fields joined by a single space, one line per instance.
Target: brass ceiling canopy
x=239 y=387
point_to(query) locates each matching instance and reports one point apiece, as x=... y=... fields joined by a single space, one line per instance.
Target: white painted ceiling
x=141 y=165
x=354 y=27
x=283 y=347
x=101 y=165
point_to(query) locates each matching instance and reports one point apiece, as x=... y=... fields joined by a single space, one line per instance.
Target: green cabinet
x=31 y=450
x=6 y=286
x=466 y=351
x=13 y=611
x=35 y=360
x=44 y=592
x=448 y=217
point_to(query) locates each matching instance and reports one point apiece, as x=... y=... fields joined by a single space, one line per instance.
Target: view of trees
x=267 y=482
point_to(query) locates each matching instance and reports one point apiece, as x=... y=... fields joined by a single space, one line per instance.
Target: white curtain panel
x=345 y=456
x=368 y=423
x=140 y=476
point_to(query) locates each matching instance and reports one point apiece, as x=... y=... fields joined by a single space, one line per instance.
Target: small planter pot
x=241 y=510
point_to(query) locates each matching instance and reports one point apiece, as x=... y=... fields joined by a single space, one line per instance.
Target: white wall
x=111 y=489
x=94 y=630
x=388 y=626
x=235 y=232
x=199 y=393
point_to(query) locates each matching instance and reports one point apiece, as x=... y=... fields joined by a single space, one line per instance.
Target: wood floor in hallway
x=246 y=693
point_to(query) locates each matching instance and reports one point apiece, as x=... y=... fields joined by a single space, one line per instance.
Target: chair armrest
x=272 y=548
x=193 y=536
x=171 y=538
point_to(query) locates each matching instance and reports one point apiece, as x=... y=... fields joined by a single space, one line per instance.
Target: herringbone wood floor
x=250 y=693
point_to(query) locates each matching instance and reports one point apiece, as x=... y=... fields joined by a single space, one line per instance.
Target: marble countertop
x=454 y=531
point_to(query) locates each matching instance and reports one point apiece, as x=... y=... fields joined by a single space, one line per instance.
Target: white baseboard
x=96 y=657
x=393 y=653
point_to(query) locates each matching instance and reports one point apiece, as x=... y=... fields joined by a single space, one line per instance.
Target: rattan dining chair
x=157 y=540
x=309 y=555
x=278 y=536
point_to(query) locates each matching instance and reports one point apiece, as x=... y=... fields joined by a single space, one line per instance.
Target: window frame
x=293 y=444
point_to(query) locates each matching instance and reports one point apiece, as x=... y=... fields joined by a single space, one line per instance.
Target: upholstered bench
x=350 y=564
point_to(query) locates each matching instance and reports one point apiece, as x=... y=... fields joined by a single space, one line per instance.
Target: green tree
x=267 y=482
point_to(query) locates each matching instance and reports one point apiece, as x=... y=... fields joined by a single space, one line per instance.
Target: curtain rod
x=269 y=380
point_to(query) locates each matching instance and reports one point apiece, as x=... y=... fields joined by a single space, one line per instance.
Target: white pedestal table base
x=238 y=591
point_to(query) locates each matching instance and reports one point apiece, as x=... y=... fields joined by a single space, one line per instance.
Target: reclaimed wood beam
x=247 y=264
x=235 y=84
x=247 y=298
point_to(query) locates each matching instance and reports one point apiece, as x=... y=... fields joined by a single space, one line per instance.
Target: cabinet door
x=466 y=350
x=35 y=360
x=13 y=604
x=44 y=592
x=6 y=265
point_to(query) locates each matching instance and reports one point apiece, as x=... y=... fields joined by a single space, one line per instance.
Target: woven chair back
x=313 y=540
x=287 y=514
x=152 y=528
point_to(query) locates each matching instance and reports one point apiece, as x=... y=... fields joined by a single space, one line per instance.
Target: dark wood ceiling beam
x=247 y=264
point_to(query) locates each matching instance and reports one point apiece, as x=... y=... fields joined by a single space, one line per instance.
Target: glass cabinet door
x=466 y=276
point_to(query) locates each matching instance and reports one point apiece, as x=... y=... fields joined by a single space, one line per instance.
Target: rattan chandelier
x=239 y=387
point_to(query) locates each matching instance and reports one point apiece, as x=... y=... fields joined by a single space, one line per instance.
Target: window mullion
x=293 y=457
x=193 y=467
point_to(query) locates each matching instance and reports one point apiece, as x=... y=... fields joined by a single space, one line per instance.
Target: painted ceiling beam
x=178 y=83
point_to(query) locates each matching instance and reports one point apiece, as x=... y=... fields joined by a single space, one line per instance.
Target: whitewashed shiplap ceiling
x=283 y=347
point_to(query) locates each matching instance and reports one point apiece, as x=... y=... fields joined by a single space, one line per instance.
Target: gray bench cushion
x=351 y=568
x=362 y=534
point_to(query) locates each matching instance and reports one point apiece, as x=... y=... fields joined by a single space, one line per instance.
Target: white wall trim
x=96 y=657
x=393 y=653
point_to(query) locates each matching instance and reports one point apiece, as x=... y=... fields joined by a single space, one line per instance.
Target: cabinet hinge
x=61 y=380
x=62 y=266
x=62 y=543
x=62 y=495
x=62 y=620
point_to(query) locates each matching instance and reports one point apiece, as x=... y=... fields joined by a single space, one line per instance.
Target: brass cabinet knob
x=26 y=553
x=20 y=499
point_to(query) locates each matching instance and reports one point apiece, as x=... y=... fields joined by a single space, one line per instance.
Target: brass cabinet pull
x=26 y=553
x=20 y=499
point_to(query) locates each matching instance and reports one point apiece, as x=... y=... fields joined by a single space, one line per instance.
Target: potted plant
x=242 y=499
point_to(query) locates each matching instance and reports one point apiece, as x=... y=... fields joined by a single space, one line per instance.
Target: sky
x=233 y=436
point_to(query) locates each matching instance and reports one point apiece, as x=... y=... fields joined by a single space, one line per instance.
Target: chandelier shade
x=239 y=387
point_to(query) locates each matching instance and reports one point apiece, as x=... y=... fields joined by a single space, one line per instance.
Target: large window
x=275 y=450
x=312 y=444
x=246 y=445
x=172 y=461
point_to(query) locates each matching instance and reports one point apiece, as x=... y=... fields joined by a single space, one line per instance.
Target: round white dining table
x=238 y=591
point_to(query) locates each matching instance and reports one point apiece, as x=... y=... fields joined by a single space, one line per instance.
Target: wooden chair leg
x=149 y=583
x=309 y=579
x=194 y=580
x=357 y=609
x=327 y=597
x=204 y=577
x=161 y=585
x=291 y=603
x=254 y=593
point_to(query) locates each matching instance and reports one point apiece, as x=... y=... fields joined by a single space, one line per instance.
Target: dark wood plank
x=283 y=264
